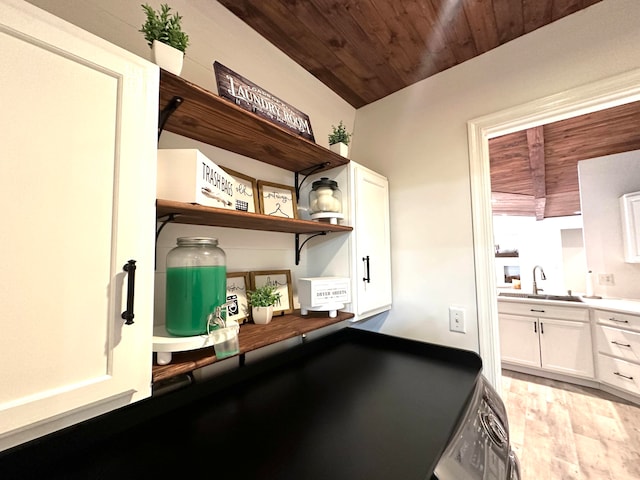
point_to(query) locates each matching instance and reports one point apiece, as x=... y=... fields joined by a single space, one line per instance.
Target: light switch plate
x=456 y=319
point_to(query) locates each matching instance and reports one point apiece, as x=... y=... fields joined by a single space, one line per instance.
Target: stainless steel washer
x=480 y=448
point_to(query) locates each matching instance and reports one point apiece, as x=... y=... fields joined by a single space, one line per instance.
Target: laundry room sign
x=251 y=97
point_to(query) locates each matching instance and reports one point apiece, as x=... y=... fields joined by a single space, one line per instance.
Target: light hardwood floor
x=562 y=431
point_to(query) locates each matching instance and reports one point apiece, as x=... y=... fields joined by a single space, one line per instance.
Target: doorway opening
x=597 y=96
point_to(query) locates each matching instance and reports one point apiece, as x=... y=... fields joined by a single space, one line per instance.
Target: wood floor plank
x=570 y=432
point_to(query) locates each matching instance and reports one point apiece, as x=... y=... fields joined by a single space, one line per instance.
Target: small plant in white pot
x=262 y=301
x=339 y=139
x=163 y=32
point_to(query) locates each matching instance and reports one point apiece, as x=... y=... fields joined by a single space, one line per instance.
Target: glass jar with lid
x=325 y=200
x=196 y=284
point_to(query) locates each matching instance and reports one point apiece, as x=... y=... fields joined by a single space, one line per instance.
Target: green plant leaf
x=164 y=27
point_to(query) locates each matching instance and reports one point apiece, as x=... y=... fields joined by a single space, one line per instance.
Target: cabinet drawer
x=619 y=373
x=544 y=310
x=615 y=319
x=619 y=343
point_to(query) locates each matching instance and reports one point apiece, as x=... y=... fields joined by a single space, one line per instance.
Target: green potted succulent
x=163 y=32
x=339 y=139
x=262 y=301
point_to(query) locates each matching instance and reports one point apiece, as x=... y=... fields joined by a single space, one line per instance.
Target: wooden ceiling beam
x=535 y=143
x=512 y=204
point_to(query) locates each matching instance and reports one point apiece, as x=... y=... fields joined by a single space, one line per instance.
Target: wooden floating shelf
x=251 y=337
x=188 y=213
x=206 y=117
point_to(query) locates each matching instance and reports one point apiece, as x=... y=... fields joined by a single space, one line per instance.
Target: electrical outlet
x=606 y=279
x=456 y=319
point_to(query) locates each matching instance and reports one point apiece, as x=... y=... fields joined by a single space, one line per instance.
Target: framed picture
x=277 y=200
x=237 y=284
x=282 y=280
x=245 y=192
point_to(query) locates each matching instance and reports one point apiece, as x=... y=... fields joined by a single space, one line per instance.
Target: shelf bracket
x=166 y=112
x=306 y=172
x=167 y=219
x=299 y=246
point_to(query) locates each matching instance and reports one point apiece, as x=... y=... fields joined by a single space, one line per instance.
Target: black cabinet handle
x=130 y=268
x=367 y=278
x=621 y=344
x=623 y=376
x=535 y=327
x=614 y=319
x=534 y=310
x=542 y=328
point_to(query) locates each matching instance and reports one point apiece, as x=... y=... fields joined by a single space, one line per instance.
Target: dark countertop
x=351 y=405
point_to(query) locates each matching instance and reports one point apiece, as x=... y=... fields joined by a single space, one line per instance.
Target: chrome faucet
x=542 y=277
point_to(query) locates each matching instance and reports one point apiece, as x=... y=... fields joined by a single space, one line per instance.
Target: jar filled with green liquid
x=196 y=284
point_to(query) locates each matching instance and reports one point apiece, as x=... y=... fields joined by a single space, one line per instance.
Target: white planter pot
x=340 y=148
x=167 y=57
x=262 y=315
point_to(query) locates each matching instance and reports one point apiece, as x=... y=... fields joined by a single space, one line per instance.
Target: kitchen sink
x=538 y=296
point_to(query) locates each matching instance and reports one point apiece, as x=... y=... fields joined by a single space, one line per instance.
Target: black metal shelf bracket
x=166 y=112
x=299 y=246
x=306 y=172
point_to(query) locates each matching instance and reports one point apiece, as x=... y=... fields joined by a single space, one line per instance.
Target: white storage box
x=186 y=175
x=323 y=294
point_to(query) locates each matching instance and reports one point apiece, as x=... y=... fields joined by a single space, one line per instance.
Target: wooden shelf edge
x=200 y=215
x=209 y=118
x=251 y=337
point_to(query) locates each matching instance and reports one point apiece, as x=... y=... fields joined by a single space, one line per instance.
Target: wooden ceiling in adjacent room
x=535 y=172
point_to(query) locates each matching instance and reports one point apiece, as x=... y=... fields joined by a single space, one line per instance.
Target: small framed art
x=277 y=200
x=282 y=280
x=237 y=284
x=245 y=191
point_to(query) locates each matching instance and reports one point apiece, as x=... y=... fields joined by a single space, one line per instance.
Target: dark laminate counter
x=351 y=405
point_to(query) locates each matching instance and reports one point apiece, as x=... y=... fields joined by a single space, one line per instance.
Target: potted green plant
x=262 y=301
x=339 y=139
x=163 y=32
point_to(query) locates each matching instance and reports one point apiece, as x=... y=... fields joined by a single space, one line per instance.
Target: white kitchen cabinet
x=371 y=244
x=78 y=189
x=519 y=341
x=548 y=337
x=618 y=342
x=630 y=210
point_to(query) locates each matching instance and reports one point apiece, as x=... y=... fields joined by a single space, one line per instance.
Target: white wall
x=550 y=243
x=418 y=139
x=603 y=181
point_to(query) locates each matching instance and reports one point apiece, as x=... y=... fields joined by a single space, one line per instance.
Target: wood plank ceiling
x=365 y=50
x=534 y=172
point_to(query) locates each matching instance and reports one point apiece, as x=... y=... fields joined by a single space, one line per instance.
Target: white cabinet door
x=372 y=251
x=79 y=132
x=630 y=209
x=519 y=342
x=566 y=347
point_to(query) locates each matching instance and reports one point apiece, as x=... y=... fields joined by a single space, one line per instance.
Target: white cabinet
x=365 y=254
x=371 y=244
x=618 y=341
x=78 y=190
x=630 y=210
x=549 y=337
x=519 y=341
